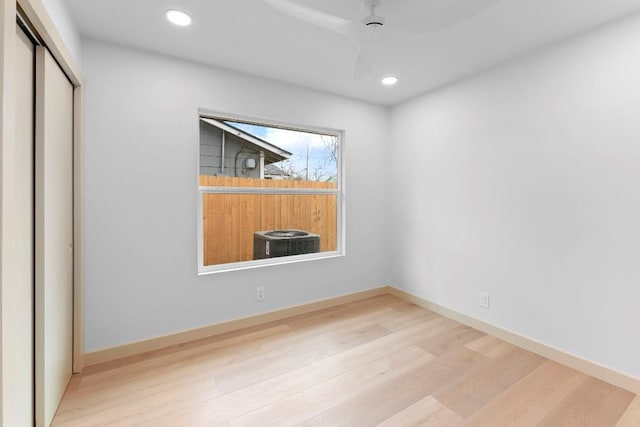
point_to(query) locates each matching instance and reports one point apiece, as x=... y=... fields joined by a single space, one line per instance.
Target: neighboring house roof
x=272 y=152
x=272 y=170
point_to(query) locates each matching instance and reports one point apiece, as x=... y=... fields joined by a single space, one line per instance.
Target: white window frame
x=338 y=192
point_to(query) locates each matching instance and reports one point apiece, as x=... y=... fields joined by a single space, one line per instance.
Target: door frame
x=40 y=22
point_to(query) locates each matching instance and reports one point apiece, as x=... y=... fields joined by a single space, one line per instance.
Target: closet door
x=54 y=235
x=19 y=247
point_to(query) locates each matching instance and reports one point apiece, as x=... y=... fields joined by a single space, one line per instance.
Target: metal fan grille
x=285 y=233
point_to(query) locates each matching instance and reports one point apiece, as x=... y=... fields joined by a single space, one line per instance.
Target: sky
x=321 y=165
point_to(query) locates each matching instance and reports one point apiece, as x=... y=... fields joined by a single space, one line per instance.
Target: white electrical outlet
x=260 y=293
x=484 y=299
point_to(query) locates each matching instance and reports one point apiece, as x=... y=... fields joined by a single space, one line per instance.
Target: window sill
x=246 y=265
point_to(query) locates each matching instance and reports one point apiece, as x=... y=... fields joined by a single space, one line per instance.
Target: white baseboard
x=144 y=346
x=588 y=367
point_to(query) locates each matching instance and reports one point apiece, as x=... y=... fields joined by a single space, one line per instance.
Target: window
x=268 y=194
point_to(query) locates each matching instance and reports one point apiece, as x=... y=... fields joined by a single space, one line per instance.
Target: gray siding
x=235 y=148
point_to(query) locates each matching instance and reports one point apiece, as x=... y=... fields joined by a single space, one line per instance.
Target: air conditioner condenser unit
x=277 y=243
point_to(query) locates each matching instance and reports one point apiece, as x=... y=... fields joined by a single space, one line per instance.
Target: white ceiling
x=251 y=37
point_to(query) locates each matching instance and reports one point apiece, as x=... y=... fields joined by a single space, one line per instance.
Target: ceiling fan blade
x=316 y=17
x=423 y=16
x=365 y=61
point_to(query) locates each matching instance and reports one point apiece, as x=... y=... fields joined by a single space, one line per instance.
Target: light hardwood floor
x=379 y=361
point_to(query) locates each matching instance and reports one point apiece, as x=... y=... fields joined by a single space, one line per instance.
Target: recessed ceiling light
x=389 y=80
x=178 y=17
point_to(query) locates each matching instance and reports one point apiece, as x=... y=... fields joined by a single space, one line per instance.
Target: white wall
x=523 y=182
x=141 y=142
x=65 y=25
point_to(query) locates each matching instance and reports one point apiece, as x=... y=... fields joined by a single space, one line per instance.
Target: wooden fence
x=229 y=220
